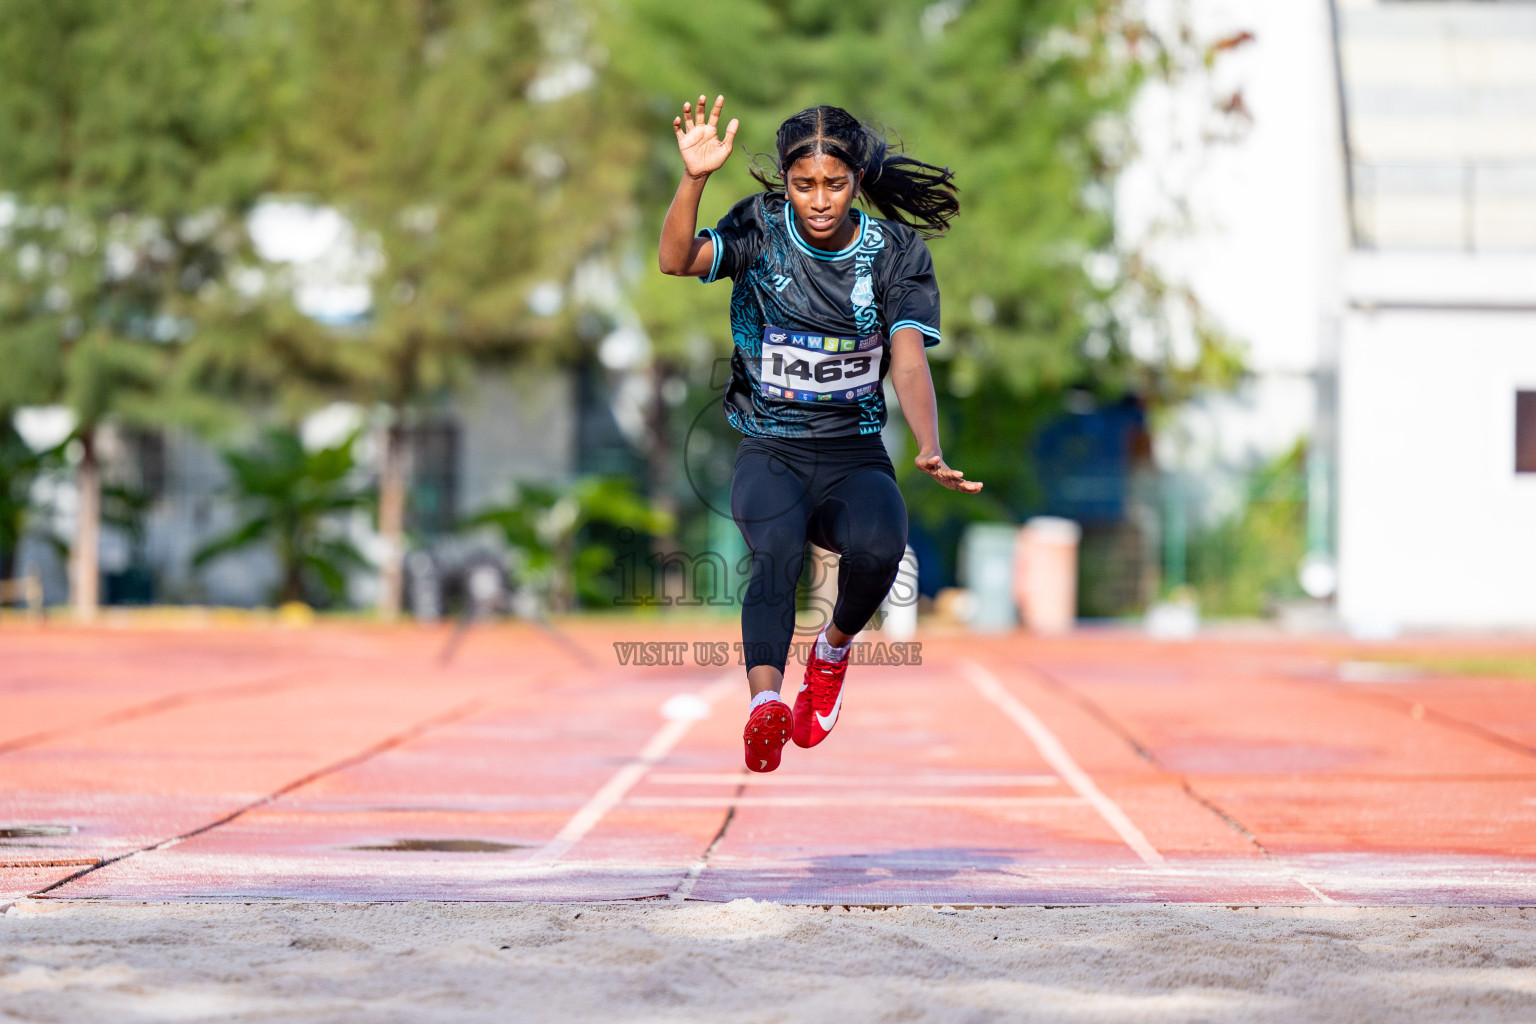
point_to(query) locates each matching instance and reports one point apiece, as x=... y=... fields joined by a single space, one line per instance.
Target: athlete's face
x=822 y=190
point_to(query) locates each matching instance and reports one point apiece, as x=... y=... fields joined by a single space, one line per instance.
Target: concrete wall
x=1435 y=527
x=517 y=425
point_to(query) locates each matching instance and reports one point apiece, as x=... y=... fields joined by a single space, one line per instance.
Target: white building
x=1436 y=522
x=1372 y=239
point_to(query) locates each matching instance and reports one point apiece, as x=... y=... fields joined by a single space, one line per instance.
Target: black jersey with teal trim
x=882 y=282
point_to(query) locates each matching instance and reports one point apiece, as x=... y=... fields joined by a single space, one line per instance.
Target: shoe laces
x=824 y=676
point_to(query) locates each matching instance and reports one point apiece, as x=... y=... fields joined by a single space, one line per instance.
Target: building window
x=1525 y=431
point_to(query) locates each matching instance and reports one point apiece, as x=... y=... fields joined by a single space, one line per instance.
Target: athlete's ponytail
x=900 y=187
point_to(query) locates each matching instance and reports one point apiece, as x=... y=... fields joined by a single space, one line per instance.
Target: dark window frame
x=1525 y=432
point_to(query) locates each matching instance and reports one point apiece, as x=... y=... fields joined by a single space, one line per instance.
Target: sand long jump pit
x=752 y=961
x=339 y=824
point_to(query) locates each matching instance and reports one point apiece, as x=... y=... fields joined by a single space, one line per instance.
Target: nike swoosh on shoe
x=828 y=721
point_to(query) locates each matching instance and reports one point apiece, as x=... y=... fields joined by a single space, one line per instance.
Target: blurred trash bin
x=1045 y=573
x=900 y=605
x=986 y=557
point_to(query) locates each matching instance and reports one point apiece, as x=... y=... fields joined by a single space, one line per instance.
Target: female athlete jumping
x=826 y=302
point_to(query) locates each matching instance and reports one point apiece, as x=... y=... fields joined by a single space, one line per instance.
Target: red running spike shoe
x=819 y=700
x=768 y=729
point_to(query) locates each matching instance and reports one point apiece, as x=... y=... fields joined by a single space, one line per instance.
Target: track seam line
x=1428 y=713
x=1056 y=755
x=154 y=707
x=857 y=801
x=685 y=888
x=1104 y=718
x=425 y=725
x=866 y=783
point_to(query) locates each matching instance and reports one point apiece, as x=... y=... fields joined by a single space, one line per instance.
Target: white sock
x=826 y=652
x=762 y=698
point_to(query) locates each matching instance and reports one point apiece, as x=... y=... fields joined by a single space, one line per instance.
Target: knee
x=879 y=555
x=888 y=544
x=776 y=556
x=776 y=545
x=775 y=536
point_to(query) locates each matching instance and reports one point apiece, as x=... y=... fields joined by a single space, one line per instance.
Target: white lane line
x=855 y=800
x=1060 y=761
x=1314 y=890
x=863 y=783
x=623 y=780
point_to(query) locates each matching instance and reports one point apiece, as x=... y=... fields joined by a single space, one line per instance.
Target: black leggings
x=837 y=492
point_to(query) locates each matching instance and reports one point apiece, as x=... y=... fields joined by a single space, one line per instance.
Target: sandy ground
x=760 y=962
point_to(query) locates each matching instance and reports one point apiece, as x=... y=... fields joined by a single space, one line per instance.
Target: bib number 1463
x=826 y=371
x=817 y=367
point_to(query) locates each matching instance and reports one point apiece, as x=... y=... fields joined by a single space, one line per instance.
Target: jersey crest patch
x=863 y=290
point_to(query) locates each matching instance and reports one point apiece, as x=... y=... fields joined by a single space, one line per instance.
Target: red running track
x=349 y=763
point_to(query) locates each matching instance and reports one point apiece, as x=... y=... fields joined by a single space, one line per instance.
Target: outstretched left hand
x=932 y=463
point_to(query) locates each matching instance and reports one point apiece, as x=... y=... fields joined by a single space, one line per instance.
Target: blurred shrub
x=555 y=531
x=1246 y=563
x=295 y=501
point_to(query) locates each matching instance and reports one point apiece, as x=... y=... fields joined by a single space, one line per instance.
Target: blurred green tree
x=296 y=501
x=130 y=145
x=460 y=139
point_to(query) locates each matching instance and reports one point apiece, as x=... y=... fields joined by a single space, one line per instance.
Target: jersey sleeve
x=736 y=239
x=912 y=294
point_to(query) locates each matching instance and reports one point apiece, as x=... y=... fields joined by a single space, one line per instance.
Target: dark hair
x=902 y=188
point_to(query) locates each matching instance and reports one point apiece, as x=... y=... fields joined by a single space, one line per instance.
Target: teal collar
x=822 y=254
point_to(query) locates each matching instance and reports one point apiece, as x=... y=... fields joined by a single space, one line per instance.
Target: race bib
x=801 y=367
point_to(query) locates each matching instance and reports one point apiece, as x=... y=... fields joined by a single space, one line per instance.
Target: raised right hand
x=703 y=153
